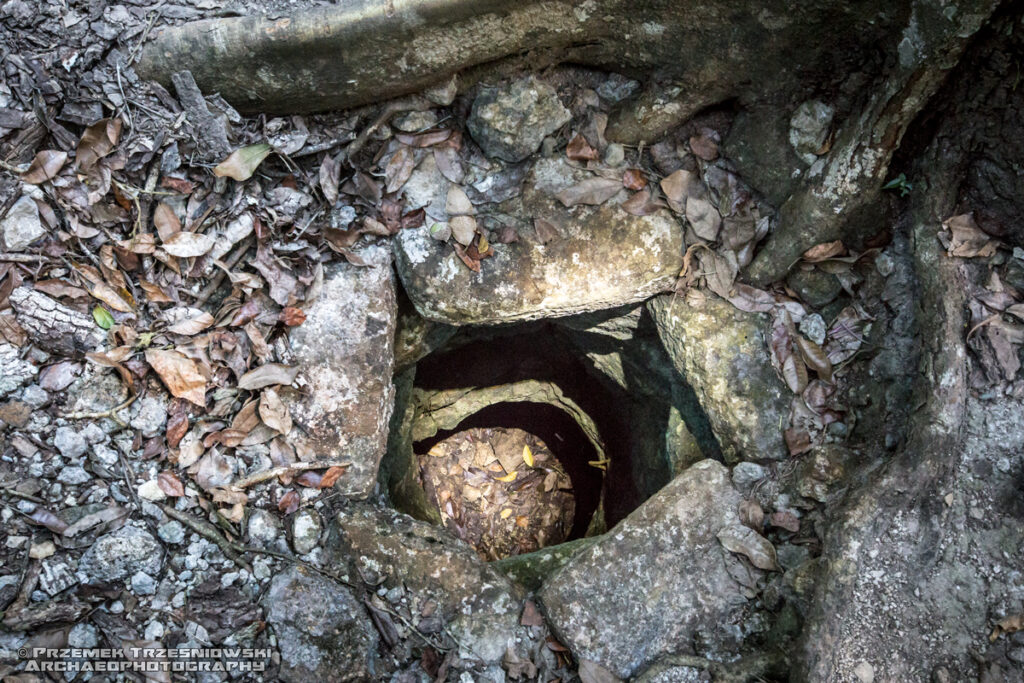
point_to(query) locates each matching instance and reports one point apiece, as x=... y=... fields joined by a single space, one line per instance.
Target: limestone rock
x=346 y=355
x=323 y=633
x=306 y=529
x=475 y=601
x=679 y=590
x=603 y=258
x=120 y=554
x=21 y=226
x=13 y=370
x=510 y=123
x=722 y=353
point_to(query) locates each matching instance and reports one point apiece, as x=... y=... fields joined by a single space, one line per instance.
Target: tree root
x=859 y=161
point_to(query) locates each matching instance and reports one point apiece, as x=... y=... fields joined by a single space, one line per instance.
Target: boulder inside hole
x=500 y=489
x=562 y=437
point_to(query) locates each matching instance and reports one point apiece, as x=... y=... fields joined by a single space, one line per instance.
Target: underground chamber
x=538 y=435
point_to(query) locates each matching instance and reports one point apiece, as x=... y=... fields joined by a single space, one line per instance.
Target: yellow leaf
x=527 y=456
x=506 y=513
x=242 y=163
x=511 y=476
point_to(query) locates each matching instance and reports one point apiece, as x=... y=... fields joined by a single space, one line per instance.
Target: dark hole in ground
x=562 y=435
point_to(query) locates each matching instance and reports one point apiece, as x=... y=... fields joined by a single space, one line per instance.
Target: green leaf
x=243 y=162
x=102 y=317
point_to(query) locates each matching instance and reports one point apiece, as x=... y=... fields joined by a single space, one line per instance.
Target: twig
x=19 y=494
x=412 y=103
x=24 y=258
x=273 y=472
x=210 y=533
x=111 y=413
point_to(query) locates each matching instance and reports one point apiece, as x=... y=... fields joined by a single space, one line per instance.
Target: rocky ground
x=209 y=329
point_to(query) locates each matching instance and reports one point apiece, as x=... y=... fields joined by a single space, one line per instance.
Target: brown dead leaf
x=292 y=316
x=967 y=239
x=399 y=168
x=794 y=372
x=1010 y=624
x=592 y=191
x=579 y=149
x=45 y=166
x=243 y=162
x=166 y=222
x=815 y=357
x=329 y=175
x=784 y=519
x=634 y=179
x=118 y=299
x=641 y=204
x=98 y=141
x=289 y=502
x=546 y=230
x=179 y=373
x=471 y=263
x=267 y=375
x=170 y=484
x=824 y=251
x=427 y=138
x=188 y=321
x=704 y=146
x=154 y=292
x=189 y=244
x=703 y=218
x=274 y=412
x=331 y=476
x=531 y=615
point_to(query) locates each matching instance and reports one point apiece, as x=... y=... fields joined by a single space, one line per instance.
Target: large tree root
x=365 y=51
x=857 y=165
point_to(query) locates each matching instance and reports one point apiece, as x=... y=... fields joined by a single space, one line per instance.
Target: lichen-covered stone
x=122 y=553
x=346 y=354
x=722 y=353
x=510 y=123
x=13 y=370
x=323 y=633
x=604 y=257
x=476 y=602
x=809 y=128
x=657 y=583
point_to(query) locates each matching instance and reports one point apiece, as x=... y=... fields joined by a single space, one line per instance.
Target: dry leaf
x=292 y=316
x=795 y=373
x=399 y=168
x=704 y=146
x=703 y=218
x=179 y=373
x=188 y=321
x=634 y=179
x=579 y=149
x=815 y=358
x=546 y=230
x=97 y=142
x=822 y=252
x=267 y=375
x=743 y=540
x=463 y=229
x=170 y=484
x=457 y=203
x=641 y=204
x=592 y=672
x=331 y=476
x=591 y=191
x=242 y=163
x=45 y=166
x=274 y=412
x=967 y=239
x=289 y=502
x=166 y=222
x=1010 y=624
x=511 y=476
x=527 y=455
x=189 y=244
